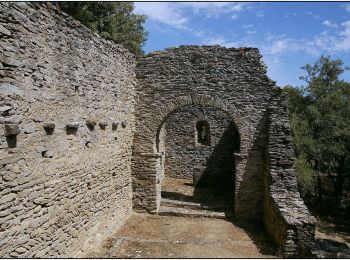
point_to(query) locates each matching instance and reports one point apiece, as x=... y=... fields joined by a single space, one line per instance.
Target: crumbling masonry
x=86 y=135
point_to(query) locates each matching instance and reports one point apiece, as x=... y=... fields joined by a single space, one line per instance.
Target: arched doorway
x=197 y=146
x=148 y=156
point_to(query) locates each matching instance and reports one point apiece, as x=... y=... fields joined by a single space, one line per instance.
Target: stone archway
x=198 y=172
x=148 y=166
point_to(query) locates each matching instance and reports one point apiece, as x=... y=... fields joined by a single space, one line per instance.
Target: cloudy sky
x=288 y=34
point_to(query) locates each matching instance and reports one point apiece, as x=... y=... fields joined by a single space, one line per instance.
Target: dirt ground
x=183 y=190
x=153 y=236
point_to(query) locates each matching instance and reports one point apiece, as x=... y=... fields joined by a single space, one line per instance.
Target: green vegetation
x=320 y=119
x=112 y=20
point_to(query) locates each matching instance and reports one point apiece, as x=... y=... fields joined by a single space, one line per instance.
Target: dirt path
x=152 y=236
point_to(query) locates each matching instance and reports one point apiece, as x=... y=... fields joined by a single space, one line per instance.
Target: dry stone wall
x=75 y=157
x=66 y=128
x=183 y=152
x=229 y=79
x=234 y=81
x=286 y=217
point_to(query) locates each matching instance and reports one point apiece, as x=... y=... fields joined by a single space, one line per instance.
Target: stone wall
x=231 y=80
x=184 y=152
x=68 y=132
x=66 y=128
x=286 y=217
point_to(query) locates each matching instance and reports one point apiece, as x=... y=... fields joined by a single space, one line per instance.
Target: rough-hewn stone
x=285 y=215
x=66 y=183
x=59 y=195
x=176 y=82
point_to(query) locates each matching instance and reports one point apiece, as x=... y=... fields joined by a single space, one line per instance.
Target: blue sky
x=288 y=34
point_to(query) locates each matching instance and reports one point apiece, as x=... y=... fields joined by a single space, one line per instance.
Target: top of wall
x=199 y=54
x=193 y=63
x=28 y=17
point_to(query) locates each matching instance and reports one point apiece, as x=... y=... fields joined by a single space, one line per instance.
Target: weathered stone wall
x=66 y=108
x=285 y=215
x=233 y=81
x=67 y=130
x=229 y=79
x=183 y=152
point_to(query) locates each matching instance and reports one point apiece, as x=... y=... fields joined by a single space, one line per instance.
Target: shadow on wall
x=250 y=195
x=216 y=180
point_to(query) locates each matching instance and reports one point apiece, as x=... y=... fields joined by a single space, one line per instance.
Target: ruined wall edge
x=286 y=217
x=66 y=128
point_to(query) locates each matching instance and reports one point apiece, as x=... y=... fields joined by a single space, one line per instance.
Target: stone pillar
x=146 y=182
x=240 y=164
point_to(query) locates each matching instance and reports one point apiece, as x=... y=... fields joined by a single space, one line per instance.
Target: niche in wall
x=202 y=133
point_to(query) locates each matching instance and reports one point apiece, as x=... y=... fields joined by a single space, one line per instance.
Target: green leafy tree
x=320 y=117
x=112 y=20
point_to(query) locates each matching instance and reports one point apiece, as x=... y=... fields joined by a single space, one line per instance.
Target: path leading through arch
x=153 y=236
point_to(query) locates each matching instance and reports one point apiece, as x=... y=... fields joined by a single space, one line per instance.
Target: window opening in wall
x=203 y=133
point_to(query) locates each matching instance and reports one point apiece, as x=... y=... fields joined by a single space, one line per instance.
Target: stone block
x=4 y=31
x=12 y=129
x=29 y=128
x=8 y=198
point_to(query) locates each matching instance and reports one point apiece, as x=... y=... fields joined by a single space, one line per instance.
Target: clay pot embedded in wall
x=115 y=126
x=103 y=125
x=49 y=128
x=72 y=128
x=90 y=123
x=11 y=132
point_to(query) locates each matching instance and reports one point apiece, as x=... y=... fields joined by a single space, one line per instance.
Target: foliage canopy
x=320 y=118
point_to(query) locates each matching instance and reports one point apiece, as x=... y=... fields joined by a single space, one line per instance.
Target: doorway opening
x=198 y=144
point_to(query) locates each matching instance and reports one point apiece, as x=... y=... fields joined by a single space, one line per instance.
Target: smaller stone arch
x=162 y=113
x=149 y=165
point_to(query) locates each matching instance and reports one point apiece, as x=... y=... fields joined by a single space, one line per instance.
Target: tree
x=320 y=118
x=112 y=20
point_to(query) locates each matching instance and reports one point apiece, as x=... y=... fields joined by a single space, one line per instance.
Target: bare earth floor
x=153 y=236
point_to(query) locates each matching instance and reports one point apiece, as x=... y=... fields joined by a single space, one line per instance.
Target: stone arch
x=162 y=113
x=148 y=164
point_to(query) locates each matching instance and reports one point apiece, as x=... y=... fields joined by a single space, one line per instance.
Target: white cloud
x=163 y=12
x=214 y=9
x=260 y=14
x=278 y=47
x=347 y=7
x=290 y=14
x=251 y=32
x=177 y=14
x=330 y=24
x=246 y=26
x=220 y=40
x=344 y=43
x=315 y=16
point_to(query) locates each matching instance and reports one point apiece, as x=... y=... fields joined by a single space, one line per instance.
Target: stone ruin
x=87 y=134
